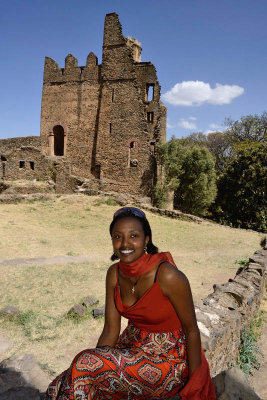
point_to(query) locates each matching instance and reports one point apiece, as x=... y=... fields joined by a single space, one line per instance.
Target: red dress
x=148 y=362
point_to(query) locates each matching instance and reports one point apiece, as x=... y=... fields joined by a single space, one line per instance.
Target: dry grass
x=78 y=225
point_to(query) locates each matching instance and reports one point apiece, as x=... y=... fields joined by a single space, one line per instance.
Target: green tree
x=190 y=172
x=219 y=144
x=197 y=186
x=250 y=128
x=241 y=199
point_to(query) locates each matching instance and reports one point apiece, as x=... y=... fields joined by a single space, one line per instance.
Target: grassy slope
x=79 y=225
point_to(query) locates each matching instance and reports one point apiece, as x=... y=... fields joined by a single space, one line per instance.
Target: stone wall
x=229 y=309
x=106 y=120
x=7 y=145
x=26 y=162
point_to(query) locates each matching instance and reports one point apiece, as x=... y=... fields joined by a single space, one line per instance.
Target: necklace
x=134 y=284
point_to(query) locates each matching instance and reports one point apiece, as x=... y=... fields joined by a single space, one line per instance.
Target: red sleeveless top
x=153 y=312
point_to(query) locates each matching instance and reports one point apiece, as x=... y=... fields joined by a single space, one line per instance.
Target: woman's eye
x=116 y=237
x=133 y=235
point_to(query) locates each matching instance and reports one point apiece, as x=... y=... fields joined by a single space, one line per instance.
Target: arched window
x=58 y=132
x=132 y=145
x=133 y=154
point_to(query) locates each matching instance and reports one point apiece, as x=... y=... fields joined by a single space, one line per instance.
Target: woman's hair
x=131 y=212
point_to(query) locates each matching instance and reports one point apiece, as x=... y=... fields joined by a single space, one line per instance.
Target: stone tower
x=105 y=120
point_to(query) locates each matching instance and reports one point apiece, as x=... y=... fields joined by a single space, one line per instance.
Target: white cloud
x=208 y=131
x=187 y=124
x=192 y=118
x=214 y=126
x=196 y=93
x=169 y=125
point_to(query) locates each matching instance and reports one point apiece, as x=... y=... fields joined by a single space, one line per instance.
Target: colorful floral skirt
x=143 y=365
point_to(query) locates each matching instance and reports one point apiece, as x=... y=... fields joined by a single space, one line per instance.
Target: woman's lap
x=141 y=366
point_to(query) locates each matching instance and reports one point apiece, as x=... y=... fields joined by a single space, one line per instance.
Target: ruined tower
x=105 y=120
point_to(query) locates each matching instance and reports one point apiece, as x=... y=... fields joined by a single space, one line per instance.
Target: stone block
x=21 y=393
x=90 y=301
x=99 y=311
x=77 y=309
x=26 y=372
x=10 y=311
x=233 y=385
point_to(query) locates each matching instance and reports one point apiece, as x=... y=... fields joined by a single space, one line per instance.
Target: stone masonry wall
x=124 y=145
x=229 y=309
x=7 y=145
x=109 y=116
x=70 y=99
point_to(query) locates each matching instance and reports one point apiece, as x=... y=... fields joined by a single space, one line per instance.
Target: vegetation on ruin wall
x=232 y=164
x=250 y=356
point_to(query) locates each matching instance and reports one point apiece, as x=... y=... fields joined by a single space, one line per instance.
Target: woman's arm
x=112 y=325
x=174 y=284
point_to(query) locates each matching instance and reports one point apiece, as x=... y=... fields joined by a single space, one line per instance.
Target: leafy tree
x=241 y=199
x=219 y=144
x=197 y=187
x=251 y=128
x=190 y=172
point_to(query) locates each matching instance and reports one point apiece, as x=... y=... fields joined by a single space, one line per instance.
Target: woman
x=159 y=351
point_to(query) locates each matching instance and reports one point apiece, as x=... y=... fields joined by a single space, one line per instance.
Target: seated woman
x=159 y=353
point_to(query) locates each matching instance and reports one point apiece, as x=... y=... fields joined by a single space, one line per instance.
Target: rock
x=99 y=311
x=90 y=301
x=120 y=199
x=233 y=385
x=22 y=370
x=77 y=309
x=10 y=311
x=5 y=344
x=21 y=393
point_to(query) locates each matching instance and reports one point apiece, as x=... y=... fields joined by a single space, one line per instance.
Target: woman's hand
x=112 y=325
x=174 y=284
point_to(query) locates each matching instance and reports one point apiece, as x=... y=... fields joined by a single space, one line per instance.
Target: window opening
x=58 y=140
x=22 y=164
x=152 y=146
x=134 y=163
x=32 y=165
x=112 y=96
x=110 y=127
x=150 y=117
x=149 y=92
x=3 y=158
x=132 y=145
x=82 y=70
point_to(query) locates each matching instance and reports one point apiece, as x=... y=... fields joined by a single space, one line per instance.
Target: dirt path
x=46 y=260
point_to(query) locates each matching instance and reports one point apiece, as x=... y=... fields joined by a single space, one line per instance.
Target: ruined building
x=98 y=122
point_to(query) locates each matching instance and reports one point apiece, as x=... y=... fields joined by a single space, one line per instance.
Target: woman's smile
x=128 y=239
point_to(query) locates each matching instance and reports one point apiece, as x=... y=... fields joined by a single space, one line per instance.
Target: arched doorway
x=58 y=132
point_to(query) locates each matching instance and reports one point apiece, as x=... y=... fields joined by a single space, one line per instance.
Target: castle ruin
x=98 y=122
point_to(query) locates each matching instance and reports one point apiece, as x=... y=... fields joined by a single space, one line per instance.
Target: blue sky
x=210 y=55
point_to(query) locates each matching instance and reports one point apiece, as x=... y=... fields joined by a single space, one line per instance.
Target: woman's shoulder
x=112 y=274
x=170 y=276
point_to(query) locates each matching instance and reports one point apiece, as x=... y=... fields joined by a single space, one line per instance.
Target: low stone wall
x=229 y=309
x=7 y=145
x=95 y=187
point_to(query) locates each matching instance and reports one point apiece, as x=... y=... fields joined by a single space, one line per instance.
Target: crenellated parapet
x=72 y=71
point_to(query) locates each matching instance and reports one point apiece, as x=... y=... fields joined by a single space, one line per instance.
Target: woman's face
x=128 y=239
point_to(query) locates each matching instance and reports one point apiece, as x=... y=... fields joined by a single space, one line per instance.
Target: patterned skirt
x=143 y=365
